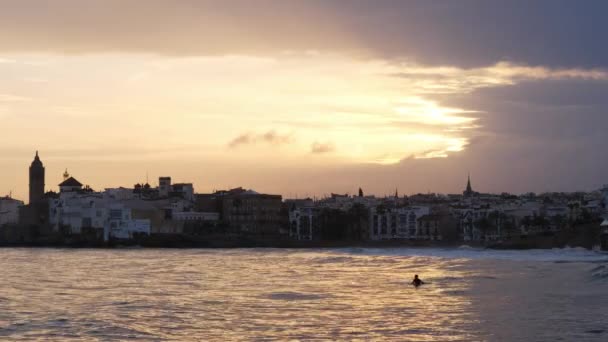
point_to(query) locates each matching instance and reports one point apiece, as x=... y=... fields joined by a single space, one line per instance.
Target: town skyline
x=177 y=210
x=153 y=180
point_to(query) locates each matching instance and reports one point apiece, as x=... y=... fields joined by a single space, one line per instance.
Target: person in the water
x=417 y=282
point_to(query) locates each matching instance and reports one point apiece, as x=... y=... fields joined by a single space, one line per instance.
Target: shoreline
x=180 y=242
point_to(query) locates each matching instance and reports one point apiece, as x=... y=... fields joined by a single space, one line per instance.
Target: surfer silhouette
x=417 y=282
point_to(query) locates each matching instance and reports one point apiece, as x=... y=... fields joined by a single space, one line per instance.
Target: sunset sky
x=306 y=98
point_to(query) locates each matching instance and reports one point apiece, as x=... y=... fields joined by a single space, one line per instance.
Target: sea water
x=287 y=294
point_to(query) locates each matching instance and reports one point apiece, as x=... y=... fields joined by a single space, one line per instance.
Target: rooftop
x=70 y=182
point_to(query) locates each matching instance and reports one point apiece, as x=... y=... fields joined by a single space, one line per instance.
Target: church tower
x=36 y=180
x=469 y=191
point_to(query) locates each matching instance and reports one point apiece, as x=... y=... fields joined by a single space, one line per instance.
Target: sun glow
x=314 y=107
x=327 y=108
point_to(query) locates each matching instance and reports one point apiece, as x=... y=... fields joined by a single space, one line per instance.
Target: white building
x=9 y=210
x=301 y=222
x=77 y=211
x=184 y=190
x=167 y=189
x=468 y=218
x=121 y=193
x=397 y=223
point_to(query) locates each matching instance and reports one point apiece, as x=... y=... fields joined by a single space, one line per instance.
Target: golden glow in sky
x=326 y=107
x=291 y=109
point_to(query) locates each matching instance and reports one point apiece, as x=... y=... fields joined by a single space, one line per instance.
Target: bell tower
x=36 y=180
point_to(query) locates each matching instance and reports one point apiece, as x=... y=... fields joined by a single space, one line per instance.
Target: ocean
x=345 y=294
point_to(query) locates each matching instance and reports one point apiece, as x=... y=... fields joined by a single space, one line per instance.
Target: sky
x=306 y=98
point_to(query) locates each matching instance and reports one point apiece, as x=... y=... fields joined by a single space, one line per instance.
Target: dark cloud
x=465 y=33
x=242 y=139
x=558 y=109
x=273 y=138
x=318 y=148
x=537 y=136
x=270 y=137
x=481 y=32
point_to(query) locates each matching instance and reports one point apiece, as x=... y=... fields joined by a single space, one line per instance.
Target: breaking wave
x=600 y=272
x=567 y=254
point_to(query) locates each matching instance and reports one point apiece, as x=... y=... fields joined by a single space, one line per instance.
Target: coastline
x=585 y=236
x=180 y=241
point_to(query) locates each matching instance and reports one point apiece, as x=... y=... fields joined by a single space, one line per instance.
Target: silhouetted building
x=183 y=190
x=9 y=210
x=145 y=191
x=244 y=210
x=468 y=192
x=164 y=186
x=70 y=185
x=36 y=180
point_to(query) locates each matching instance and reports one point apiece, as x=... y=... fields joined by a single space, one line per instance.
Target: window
x=115 y=214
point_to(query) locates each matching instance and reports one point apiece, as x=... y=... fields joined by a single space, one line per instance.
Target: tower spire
x=469 y=189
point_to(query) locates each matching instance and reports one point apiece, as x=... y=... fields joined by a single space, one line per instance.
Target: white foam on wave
x=465 y=252
x=600 y=272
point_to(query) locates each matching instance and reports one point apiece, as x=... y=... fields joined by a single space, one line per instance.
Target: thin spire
x=469 y=190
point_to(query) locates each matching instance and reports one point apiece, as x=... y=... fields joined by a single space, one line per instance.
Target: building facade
x=244 y=211
x=75 y=212
x=301 y=222
x=36 y=178
x=397 y=223
x=9 y=210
